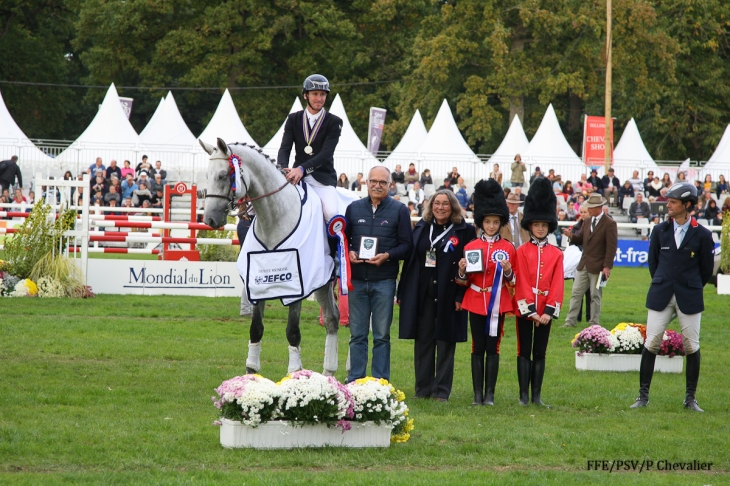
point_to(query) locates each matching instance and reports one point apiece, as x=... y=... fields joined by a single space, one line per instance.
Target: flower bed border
x=625 y=362
x=280 y=434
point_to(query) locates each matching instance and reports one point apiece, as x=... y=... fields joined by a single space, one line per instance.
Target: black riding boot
x=524 y=367
x=491 y=381
x=693 y=376
x=538 y=372
x=477 y=378
x=646 y=371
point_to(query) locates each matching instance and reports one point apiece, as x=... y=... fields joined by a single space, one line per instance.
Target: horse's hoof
x=251 y=371
x=329 y=373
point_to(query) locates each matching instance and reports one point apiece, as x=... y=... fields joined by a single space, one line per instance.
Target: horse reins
x=246 y=199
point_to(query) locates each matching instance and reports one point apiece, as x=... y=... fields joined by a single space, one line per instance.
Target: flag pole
x=608 y=136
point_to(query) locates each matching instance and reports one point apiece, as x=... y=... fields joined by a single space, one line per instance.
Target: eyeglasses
x=445 y=204
x=378 y=183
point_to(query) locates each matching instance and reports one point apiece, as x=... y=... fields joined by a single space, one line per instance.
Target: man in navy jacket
x=680 y=263
x=373 y=280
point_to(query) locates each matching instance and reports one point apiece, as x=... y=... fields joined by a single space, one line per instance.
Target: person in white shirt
x=416 y=195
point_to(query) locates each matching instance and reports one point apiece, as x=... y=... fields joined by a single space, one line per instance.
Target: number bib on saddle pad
x=274 y=274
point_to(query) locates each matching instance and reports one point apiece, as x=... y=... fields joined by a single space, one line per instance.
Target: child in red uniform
x=487 y=296
x=539 y=289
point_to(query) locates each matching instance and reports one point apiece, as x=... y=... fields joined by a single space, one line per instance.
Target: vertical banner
x=126 y=105
x=375 y=128
x=594 y=140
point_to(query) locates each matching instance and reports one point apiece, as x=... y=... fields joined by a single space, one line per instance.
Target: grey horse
x=263 y=182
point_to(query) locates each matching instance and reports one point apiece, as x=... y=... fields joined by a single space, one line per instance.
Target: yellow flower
x=383 y=381
x=362 y=381
x=32 y=287
x=286 y=378
x=400 y=396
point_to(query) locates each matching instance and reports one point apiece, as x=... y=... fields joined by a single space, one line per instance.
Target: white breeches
x=328 y=196
x=657 y=321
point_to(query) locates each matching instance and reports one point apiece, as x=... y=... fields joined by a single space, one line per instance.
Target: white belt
x=479 y=289
x=540 y=292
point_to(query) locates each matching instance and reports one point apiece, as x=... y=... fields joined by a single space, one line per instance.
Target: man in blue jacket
x=386 y=223
x=680 y=263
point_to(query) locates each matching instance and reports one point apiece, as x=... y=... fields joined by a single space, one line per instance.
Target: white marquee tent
x=351 y=155
x=272 y=148
x=549 y=149
x=407 y=149
x=721 y=156
x=226 y=124
x=109 y=136
x=167 y=127
x=631 y=151
x=445 y=147
x=514 y=142
x=14 y=142
x=444 y=140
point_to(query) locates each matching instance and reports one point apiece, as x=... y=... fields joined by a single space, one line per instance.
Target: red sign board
x=594 y=140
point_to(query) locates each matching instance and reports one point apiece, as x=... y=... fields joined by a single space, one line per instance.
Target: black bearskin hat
x=489 y=201
x=540 y=205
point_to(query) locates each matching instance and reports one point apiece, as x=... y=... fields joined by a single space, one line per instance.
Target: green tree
x=35 y=47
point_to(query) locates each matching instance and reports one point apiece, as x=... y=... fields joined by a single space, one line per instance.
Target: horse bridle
x=246 y=200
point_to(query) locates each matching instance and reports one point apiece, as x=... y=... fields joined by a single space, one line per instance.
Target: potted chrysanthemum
x=307 y=409
x=620 y=349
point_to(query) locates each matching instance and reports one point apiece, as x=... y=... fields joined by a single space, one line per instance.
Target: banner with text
x=594 y=140
x=164 y=277
x=375 y=128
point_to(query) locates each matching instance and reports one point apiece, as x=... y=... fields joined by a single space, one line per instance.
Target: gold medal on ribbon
x=309 y=136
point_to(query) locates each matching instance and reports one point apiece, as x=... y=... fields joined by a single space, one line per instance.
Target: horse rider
x=314 y=134
x=680 y=262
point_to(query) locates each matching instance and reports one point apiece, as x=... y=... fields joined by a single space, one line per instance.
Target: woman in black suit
x=429 y=298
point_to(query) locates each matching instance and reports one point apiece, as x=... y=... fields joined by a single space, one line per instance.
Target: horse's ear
x=208 y=148
x=222 y=146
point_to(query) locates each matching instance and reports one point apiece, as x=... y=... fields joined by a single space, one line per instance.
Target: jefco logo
x=368 y=244
x=473 y=257
x=272 y=279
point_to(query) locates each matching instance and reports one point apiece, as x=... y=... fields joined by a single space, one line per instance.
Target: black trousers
x=532 y=340
x=482 y=342
x=433 y=360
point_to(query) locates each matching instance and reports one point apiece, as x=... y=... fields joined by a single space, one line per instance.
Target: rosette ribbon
x=234 y=161
x=495 y=297
x=336 y=229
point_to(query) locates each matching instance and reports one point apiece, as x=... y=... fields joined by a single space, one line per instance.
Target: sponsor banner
x=631 y=253
x=161 y=277
x=594 y=140
x=274 y=275
x=375 y=128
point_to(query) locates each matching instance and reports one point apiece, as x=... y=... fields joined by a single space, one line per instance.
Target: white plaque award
x=474 y=261
x=368 y=247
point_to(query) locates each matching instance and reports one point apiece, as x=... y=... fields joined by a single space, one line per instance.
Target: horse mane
x=257 y=149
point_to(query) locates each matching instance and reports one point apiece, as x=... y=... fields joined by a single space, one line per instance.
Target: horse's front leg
x=255 y=333
x=331 y=315
x=294 y=336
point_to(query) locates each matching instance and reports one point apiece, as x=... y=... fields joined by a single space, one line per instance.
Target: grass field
x=116 y=390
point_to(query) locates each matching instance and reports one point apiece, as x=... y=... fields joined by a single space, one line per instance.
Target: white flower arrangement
x=252 y=399
x=310 y=397
x=49 y=287
x=630 y=340
x=25 y=288
x=307 y=397
x=376 y=400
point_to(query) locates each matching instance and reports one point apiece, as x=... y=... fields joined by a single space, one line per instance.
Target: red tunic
x=539 y=288
x=478 y=302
